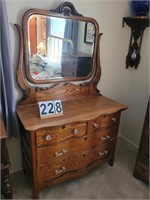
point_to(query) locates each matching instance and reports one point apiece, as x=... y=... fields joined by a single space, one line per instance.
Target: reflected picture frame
x=43 y=28
x=89 y=33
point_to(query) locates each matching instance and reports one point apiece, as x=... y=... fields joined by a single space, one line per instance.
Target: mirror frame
x=65 y=10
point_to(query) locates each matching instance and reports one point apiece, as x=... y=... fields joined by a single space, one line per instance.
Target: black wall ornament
x=137 y=25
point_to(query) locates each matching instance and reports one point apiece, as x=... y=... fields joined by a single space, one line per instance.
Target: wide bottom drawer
x=71 y=175
x=73 y=163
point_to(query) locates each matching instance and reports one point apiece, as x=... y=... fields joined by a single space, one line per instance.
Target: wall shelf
x=137 y=25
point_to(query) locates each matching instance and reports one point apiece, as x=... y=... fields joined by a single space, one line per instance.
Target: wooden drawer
x=50 y=136
x=70 y=63
x=69 y=66
x=142 y=171
x=104 y=121
x=144 y=152
x=75 y=162
x=49 y=154
x=105 y=136
x=68 y=72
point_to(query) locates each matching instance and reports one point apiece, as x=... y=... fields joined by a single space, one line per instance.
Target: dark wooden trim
x=66 y=8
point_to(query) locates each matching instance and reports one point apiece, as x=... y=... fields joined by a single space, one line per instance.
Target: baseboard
x=127 y=140
x=16 y=170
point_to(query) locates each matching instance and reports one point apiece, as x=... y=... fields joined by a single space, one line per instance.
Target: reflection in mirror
x=59 y=47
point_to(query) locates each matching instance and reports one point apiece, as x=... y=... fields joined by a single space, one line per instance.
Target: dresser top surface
x=78 y=110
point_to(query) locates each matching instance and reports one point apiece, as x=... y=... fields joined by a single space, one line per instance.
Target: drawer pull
x=103 y=153
x=114 y=119
x=75 y=131
x=48 y=138
x=63 y=151
x=60 y=171
x=96 y=125
x=107 y=137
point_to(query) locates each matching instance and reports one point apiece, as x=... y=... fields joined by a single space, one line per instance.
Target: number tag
x=43 y=108
x=58 y=107
x=50 y=108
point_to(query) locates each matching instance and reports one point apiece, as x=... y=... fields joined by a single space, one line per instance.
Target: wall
x=127 y=86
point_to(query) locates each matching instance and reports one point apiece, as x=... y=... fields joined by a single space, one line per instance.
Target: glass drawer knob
x=114 y=119
x=107 y=137
x=96 y=125
x=60 y=171
x=63 y=151
x=103 y=153
x=48 y=138
x=103 y=138
x=75 y=131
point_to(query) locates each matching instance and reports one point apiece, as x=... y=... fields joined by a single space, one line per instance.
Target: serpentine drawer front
x=73 y=147
x=103 y=121
x=57 y=152
x=74 y=162
x=55 y=135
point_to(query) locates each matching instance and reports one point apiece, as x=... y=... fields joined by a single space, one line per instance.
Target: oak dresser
x=57 y=148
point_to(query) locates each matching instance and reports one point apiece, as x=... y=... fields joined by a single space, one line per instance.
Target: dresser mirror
x=58 y=46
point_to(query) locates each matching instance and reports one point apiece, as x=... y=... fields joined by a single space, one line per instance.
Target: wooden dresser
x=6 y=187
x=67 y=146
x=141 y=170
x=76 y=65
x=57 y=149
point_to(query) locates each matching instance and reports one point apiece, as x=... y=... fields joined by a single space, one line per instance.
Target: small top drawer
x=54 y=135
x=104 y=121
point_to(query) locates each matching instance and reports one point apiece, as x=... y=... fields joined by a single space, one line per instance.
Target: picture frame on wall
x=89 y=33
x=43 y=28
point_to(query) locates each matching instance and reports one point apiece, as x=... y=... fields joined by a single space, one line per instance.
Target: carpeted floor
x=104 y=182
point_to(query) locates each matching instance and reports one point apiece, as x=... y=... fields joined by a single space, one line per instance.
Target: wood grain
x=59 y=134
x=72 y=163
x=141 y=170
x=71 y=175
x=3 y=134
x=91 y=107
x=47 y=154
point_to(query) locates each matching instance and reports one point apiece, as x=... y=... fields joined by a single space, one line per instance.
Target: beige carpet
x=104 y=182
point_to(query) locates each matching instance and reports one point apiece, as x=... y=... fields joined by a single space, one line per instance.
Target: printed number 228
x=50 y=107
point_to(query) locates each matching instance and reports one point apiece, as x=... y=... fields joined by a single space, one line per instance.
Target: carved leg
x=111 y=162
x=35 y=195
x=36 y=190
x=113 y=150
x=6 y=187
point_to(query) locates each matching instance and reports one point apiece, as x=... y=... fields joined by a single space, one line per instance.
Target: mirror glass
x=59 y=47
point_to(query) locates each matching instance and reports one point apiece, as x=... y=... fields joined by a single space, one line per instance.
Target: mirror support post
x=20 y=77
x=96 y=77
